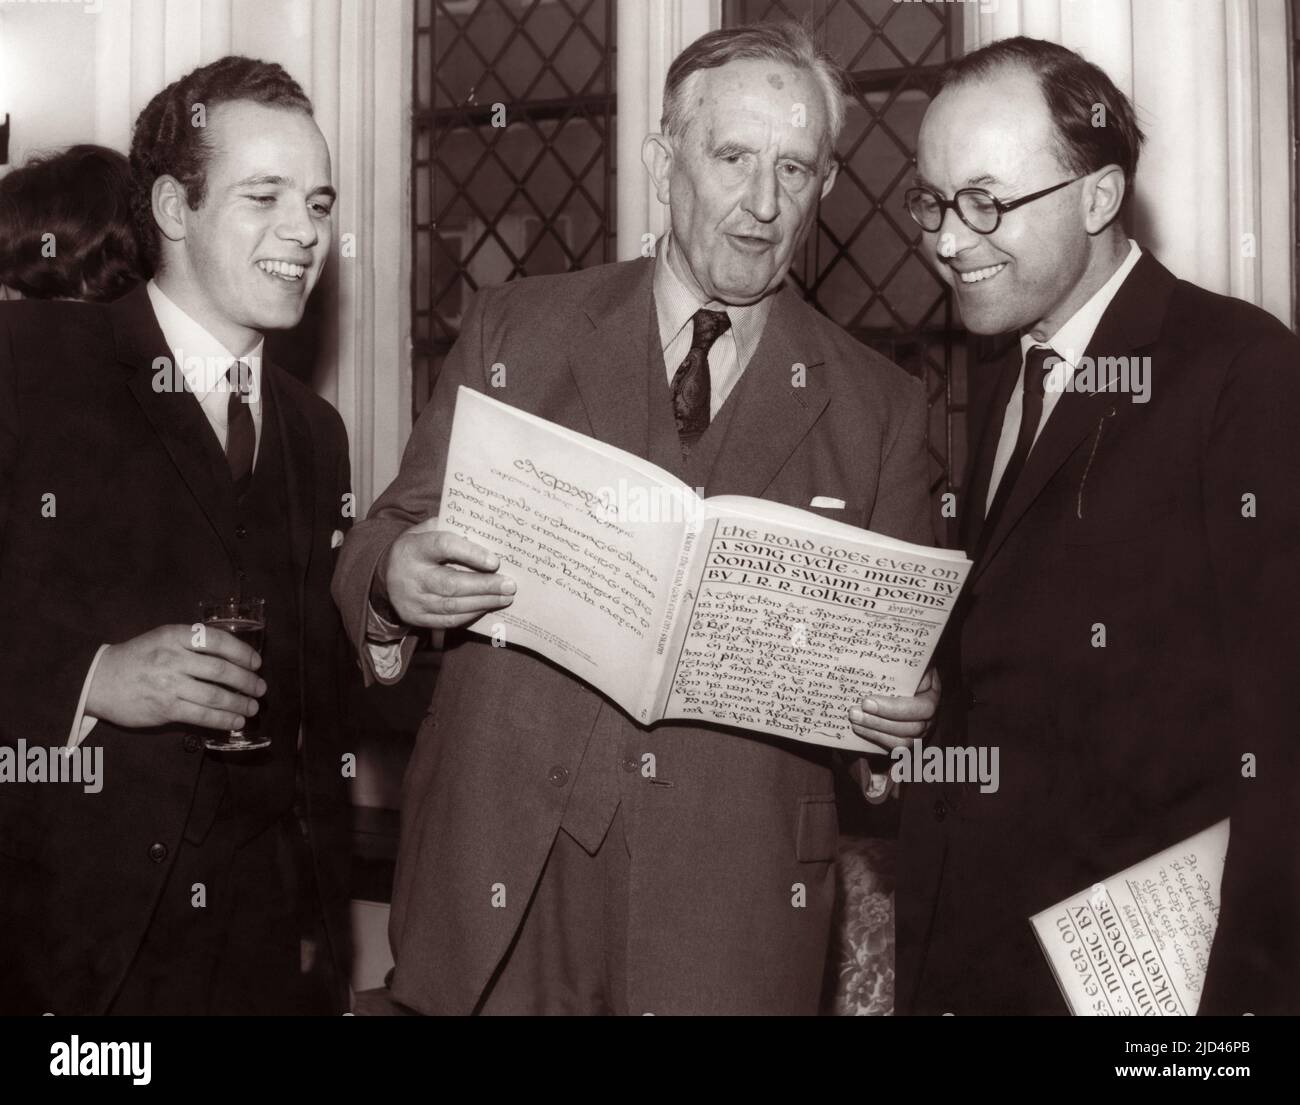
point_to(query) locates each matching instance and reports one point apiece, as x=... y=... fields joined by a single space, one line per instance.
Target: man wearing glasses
x=1128 y=639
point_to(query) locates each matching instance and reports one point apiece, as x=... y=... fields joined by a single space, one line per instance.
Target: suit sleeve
x=1252 y=518
x=47 y=647
x=413 y=496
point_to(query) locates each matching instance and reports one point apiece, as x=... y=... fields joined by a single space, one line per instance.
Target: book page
x=590 y=534
x=794 y=618
x=1139 y=943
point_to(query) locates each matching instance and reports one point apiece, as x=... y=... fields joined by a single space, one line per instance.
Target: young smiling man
x=1130 y=636
x=151 y=460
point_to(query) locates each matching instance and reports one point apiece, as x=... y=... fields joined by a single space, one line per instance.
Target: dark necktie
x=691 y=381
x=1039 y=361
x=241 y=439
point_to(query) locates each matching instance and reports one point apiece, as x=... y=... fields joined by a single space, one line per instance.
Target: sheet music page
x=586 y=530
x=1138 y=944
x=795 y=617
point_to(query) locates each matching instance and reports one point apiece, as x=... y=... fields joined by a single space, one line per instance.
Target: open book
x=1138 y=944
x=729 y=610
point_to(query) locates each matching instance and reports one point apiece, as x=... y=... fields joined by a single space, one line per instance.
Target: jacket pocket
x=852 y=513
x=819 y=829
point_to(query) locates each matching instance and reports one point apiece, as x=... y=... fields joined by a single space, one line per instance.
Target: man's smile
x=977 y=276
x=289 y=273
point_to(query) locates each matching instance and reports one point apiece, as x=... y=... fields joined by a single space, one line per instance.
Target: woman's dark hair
x=1074 y=89
x=65 y=226
x=170 y=136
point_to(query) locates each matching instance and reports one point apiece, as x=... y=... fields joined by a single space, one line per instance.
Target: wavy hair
x=166 y=141
x=66 y=228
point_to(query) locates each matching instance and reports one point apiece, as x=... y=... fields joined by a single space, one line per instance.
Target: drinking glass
x=245 y=618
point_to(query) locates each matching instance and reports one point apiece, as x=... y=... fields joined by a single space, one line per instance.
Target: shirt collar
x=1070 y=342
x=676 y=305
x=203 y=360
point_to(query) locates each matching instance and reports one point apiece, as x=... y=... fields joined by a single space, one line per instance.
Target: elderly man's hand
x=437 y=579
x=895 y=722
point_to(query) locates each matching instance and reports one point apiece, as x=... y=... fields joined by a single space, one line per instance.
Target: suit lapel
x=185 y=433
x=172 y=410
x=608 y=358
x=772 y=415
x=1132 y=321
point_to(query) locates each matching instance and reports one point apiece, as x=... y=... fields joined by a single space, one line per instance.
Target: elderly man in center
x=540 y=870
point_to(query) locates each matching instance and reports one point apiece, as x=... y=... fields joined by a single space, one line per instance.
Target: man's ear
x=657 y=157
x=169 y=207
x=1103 y=198
x=832 y=171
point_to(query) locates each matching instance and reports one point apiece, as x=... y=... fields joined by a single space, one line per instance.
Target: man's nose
x=761 y=196
x=953 y=235
x=298 y=226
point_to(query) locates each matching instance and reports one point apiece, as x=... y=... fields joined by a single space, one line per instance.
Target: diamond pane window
x=513 y=154
x=862 y=265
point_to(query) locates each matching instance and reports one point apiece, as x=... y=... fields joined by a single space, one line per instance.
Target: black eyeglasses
x=978 y=209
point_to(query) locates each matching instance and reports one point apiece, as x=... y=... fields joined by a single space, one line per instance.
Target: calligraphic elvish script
x=1138 y=944
x=787 y=627
x=730 y=610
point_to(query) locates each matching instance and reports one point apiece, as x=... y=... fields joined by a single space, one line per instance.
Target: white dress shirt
x=203 y=362
x=1069 y=343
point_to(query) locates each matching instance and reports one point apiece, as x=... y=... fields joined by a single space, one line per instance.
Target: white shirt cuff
x=379 y=628
x=83 y=723
x=388 y=646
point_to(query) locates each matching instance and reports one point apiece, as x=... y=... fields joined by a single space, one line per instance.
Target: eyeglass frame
x=1000 y=206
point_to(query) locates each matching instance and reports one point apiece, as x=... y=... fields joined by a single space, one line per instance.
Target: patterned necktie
x=241 y=438
x=691 y=381
x=1039 y=361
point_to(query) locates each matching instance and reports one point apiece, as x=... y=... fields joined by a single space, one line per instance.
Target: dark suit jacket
x=1127 y=516
x=512 y=746
x=139 y=537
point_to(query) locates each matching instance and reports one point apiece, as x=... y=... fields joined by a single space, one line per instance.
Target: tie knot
x=709 y=327
x=1039 y=361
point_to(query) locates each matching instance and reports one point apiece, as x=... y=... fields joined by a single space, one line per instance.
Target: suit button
x=629 y=765
x=971 y=700
x=157 y=852
x=241 y=532
x=193 y=742
x=558 y=776
x=940 y=809
x=241 y=575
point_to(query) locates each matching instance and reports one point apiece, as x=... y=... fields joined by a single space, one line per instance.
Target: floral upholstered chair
x=861 y=959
